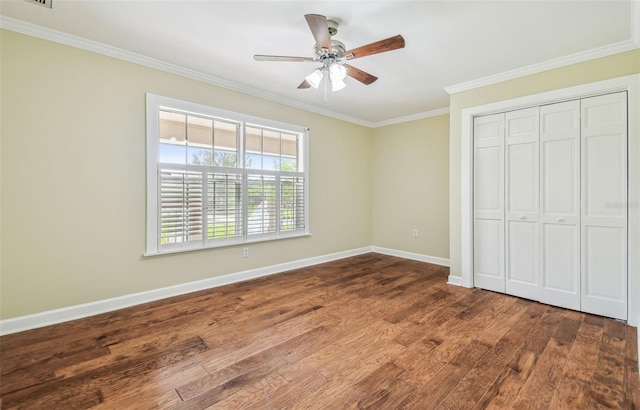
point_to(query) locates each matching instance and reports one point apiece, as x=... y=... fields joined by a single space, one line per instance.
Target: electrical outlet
x=414 y=233
x=245 y=252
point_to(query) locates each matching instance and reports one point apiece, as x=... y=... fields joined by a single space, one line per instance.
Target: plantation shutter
x=181 y=213
x=261 y=201
x=292 y=203
x=224 y=205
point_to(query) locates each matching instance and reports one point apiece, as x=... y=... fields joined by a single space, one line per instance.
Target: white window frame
x=154 y=104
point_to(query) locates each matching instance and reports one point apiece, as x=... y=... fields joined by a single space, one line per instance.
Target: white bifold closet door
x=560 y=204
x=488 y=200
x=522 y=215
x=604 y=205
x=550 y=204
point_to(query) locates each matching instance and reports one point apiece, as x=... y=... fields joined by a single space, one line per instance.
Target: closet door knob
x=559 y=219
x=522 y=217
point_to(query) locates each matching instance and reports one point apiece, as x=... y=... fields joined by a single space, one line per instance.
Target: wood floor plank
x=606 y=387
x=570 y=394
x=379 y=379
x=584 y=353
x=291 y=393
x=370 y=331
x=84 y=386
x=155 y=389
x=502 y=323
x=538 y=390
x=471 y=389
x=388 y=398
x=361 y=353
x=441 y=384
x=415 y=352
x=631 y=382
x=430 y=321
x=503 y=392
x=250 y=397
x=328 y=393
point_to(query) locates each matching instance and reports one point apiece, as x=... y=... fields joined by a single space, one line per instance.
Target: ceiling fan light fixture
x=315 y=78
x=337 y=85
x=337 y=72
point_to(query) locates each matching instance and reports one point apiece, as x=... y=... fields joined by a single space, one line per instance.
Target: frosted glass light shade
x=314 y=78
x=337 y=72
x=337 y=84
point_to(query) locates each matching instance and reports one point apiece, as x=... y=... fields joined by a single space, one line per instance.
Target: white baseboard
x=454 y=280
x=410 y=255
x=66 y=314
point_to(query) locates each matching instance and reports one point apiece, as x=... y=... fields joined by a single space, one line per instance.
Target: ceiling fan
x=333 y=54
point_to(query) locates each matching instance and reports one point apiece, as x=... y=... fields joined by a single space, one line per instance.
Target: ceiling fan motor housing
x=337 y=51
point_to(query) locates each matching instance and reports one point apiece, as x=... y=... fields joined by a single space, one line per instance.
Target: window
x=218 y=178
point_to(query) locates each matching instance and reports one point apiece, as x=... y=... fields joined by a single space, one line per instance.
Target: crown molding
x=44 y=33
x=412 y=117
x=580 y=57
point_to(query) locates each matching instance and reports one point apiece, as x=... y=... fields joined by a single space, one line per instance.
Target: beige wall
x=411 y=186
x=73 y=180
x=595 y=70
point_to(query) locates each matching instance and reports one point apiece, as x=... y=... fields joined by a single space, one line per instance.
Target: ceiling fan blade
x=388 y=44
x=362 y=76
x=304 y=85
x=259 y=57
x=320 y=30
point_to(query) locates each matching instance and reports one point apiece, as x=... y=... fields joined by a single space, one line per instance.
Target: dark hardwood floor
x=371 y=331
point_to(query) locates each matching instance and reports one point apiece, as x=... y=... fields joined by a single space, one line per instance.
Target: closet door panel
x=522 y=174
x=522 y=203
x=604 y=192
x=604 y=205
x=560 y=204
x=488 y=228
x=560 y=178
x=604 y=263
x=522 y=262
x=488 y=255
x=489 y=190
x=560 y=250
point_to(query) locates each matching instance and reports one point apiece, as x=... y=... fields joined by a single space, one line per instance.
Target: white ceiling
x=447 y=42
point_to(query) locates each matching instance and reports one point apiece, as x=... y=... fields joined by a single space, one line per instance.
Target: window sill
x=225 y=245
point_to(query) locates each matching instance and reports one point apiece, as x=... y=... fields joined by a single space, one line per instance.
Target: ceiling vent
x=45 y=3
